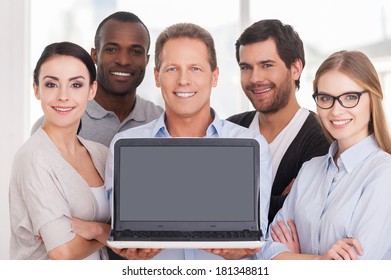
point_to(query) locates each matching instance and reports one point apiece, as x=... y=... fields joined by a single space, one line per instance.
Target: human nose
x=256 y=75
x=337 y=107
x=184 y=78
x=122 y=58
x=63 y=94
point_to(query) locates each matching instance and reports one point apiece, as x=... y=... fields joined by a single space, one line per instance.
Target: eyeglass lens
x=347 y=100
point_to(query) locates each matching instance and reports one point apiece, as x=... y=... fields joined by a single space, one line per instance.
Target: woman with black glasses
x=339 y=205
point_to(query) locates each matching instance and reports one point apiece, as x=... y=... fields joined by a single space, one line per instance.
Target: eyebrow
x=258 y=62
x=346 y=92
x=57 y=79
x=267 y=61
x=107 y=44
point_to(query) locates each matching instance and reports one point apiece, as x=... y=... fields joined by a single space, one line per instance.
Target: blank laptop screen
x=187 y=183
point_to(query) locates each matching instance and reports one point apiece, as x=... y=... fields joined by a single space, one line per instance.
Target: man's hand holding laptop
x=137 y=254
x=234 y=254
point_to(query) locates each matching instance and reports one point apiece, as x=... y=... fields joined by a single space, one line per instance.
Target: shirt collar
x=160 y=129
x=214 y=129
x=355 y=154
x=138 y=112
x=96 y=111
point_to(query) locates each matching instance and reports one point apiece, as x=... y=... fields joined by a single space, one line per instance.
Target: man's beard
x=280 y=99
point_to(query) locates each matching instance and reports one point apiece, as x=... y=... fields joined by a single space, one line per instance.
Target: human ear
x=92 y=92
x=296 y=69
x=36 y=91
x=156 y=74
x=215 y=77
x=94 y=54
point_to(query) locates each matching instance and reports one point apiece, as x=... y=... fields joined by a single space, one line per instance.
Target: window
x=77 y=21
x=340 y=25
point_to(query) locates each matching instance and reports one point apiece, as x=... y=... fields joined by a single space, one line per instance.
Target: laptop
x=186 y=193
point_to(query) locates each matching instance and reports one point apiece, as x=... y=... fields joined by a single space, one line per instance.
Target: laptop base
x=186 y=244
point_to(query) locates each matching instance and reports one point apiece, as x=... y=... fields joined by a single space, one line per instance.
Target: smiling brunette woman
x=56 y=187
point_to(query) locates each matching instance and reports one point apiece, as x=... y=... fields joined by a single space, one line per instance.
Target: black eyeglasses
x=347 y=99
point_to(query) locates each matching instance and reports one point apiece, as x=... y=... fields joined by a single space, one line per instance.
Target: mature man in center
x=186 y=71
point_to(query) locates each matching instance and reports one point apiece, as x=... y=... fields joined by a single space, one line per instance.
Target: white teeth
x=262 y=91
x=62 y=109
x=121 y=74
x=184 y=94
x=341 y=122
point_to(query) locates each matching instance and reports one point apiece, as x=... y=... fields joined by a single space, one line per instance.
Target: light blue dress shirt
x=329 y=202
x=218 y=128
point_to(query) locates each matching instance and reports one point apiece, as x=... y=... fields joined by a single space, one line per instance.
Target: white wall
x=14 y=113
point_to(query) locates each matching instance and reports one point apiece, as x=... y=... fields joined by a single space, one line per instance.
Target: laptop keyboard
x=189 y=235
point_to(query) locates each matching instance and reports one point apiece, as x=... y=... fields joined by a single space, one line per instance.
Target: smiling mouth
x=338 y=123
x=255 y=91
x=63 y=109
x=184 y=94
x=121 y=74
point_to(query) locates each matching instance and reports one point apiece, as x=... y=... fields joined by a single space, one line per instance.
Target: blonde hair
x=358 y=67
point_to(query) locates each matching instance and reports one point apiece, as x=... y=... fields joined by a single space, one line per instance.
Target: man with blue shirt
x=186 y=71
